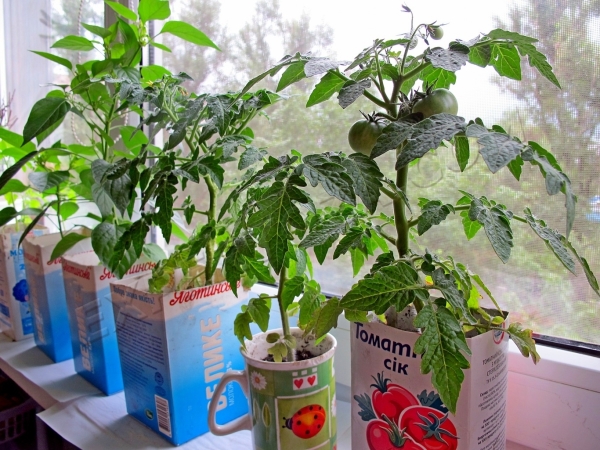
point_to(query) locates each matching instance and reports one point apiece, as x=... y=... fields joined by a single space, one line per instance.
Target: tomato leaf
x=324 y=89
x=446 y=284
x=294 y=73
x=241 y=327
x=251 y=156
x=291 y=289
x=496 y=223
x=553 y=239
x=325 y=230
x=428 y=135
x=451 y=59
x=506 y=60
x=393 y=285
x=480 y=56
x=433 y=212
x=462 y=151
x=391 y=137
x=441 y=343
x=325 y=318
x=351 y=91
x=352 y=239
x=275 y=211
x=556 y=180
x=366 y=178
x=316 y=66
x=259 y=312
x=332 y=176
x=523 y=338
x=310 y=302
x=497 y=149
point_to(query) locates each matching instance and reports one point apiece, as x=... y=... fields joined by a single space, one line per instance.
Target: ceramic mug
x=292 y=405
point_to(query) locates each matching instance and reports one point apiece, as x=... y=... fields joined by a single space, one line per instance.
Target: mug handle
x=241 y=423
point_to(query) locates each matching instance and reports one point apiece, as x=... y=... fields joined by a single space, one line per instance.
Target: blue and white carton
x=174 y=348
x=47 y=294
x=90 y=310
x=15 y=314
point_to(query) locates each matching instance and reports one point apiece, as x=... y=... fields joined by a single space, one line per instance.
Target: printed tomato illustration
x=385 y=435
x=390 y=399
x=429 y=427
x=307 y=422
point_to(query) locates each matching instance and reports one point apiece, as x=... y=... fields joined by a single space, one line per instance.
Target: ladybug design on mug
x=307 y=422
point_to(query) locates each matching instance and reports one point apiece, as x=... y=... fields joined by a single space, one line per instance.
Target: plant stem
x=58 y=218
x=285 y=323
x=211 y=264
x=400 y=212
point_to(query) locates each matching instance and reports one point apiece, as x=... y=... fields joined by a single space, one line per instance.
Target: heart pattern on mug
x=311 y=380
x=298 y=382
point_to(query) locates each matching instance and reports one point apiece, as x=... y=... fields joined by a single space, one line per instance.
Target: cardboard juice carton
x=174 y=349
x=15 y=315
x=47 y=294
x=93 y=332
x=387 y=381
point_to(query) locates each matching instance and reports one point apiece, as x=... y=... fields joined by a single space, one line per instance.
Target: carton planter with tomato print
x=47 y=295
x=174 y=349
x=91 y=319
x=395 y=406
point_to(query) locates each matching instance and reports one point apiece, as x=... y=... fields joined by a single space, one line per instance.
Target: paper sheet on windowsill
x=100 y=422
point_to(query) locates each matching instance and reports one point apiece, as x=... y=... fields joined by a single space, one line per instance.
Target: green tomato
x=439 y=101
x=364 y=133
x=436 y=33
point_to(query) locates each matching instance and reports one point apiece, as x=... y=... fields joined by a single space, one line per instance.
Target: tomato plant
x=436 y=32
x=429 y=427
x=364 y=133
x=390 y=399
x=385 y=435
x=437 y=102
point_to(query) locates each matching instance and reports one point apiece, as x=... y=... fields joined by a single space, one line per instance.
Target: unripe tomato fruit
x=439 y=101
x=364 y=133
x=436 y=33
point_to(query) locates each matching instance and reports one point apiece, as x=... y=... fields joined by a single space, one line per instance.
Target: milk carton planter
x=15 y=314
x=47 y=294
x=174 y=349
x=292 y=404
x=91 y=318
x=394 y=402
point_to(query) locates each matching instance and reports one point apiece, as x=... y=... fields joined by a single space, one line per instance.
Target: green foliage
x=395 y=282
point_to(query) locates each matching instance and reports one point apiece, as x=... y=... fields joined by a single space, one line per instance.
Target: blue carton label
x=48 y=301
x=174 y=350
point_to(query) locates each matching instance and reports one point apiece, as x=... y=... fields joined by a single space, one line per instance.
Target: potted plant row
x=269 y=227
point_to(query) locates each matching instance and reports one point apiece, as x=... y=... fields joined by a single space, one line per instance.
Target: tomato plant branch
x=380 y=77
x=285 y=323
x=211 y=264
